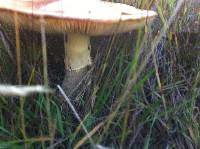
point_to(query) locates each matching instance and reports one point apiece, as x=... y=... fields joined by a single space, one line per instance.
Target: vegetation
x=144 y=91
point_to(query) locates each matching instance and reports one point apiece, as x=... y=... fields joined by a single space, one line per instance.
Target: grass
x=143 y=95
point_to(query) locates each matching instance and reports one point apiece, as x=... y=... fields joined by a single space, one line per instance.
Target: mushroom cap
x=91 y=17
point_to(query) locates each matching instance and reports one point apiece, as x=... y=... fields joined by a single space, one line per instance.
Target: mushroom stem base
x=75 y=82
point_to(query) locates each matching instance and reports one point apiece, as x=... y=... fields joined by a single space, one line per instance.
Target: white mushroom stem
x=77 y=51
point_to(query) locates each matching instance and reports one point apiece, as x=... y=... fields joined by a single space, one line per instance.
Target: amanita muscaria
x=79 y=19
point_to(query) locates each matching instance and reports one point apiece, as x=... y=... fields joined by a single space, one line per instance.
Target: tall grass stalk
x=19 y=75
x=45 y=76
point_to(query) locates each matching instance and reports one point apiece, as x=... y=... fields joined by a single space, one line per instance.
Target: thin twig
x=77 y=115
x=88 y=135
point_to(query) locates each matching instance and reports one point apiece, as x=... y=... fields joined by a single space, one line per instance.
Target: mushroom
x=80 y=19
